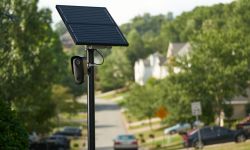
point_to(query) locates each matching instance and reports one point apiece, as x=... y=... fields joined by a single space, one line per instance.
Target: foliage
x=228 y=110
x=136 y=47
x=214 y=72
x=31 y=61
x=13 y=134
x=142 y=101
x=116 y=71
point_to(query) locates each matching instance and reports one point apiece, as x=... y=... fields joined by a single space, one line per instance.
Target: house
x=153 y=66
x=177 y=50
x=239 y=104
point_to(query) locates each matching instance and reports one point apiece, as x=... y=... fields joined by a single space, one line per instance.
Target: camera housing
x=79 y=68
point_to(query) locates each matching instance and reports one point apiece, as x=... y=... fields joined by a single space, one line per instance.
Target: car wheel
x=198 y=145
x=241 y=138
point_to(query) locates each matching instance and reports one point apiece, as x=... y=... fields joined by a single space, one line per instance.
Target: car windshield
x=126 y=137
x=70 y=129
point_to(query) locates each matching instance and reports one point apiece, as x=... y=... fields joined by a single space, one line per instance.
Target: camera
x=79 y=68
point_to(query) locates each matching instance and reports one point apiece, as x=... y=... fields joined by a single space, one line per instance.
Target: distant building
x=152 y=66
x=239 y=104
x=177 y=50
x=155 y=65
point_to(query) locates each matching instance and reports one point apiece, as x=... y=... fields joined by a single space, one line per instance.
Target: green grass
x=155 y=132
x=230 y=146
x=175 y=145
x=171 y=142
x=74 y=116
x=144 y=125
x=131 y=118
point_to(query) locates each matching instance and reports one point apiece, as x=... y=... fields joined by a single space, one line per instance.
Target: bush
x=13 y=135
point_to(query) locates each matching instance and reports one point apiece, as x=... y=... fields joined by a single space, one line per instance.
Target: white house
x=177 y=50
x=152 y=66
x=155 y=65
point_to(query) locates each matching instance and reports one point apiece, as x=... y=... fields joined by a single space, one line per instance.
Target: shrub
x=13 y=135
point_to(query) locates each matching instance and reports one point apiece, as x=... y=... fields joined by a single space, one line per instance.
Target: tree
x=13 y=134
x=31 y=62
x=218 y=67
x=215 y=72
x=142 y=101
x=116 y=71
x=136 y=47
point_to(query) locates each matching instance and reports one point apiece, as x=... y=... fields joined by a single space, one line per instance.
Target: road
x=108 y=123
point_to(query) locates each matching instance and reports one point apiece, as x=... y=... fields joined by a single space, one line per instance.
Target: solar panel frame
x=102 y=29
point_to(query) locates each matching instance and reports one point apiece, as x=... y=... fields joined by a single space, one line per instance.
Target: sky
x=124 y=10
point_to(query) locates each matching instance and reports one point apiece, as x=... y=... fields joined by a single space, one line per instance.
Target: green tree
x=13 y=133
x=31 y=62
x=136 y=47
x=218 y=67
x=142 y=101
x=215 y=72
x=116 y=71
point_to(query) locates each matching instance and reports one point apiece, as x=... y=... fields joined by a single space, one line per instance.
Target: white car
x=126 y=141
x=177 y=128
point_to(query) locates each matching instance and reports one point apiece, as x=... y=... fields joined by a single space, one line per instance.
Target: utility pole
x=91 y=99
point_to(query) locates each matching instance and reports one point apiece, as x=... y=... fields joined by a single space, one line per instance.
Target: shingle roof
x=177 y=47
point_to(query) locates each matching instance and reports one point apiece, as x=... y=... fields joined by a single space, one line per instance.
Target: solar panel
x=91 y=26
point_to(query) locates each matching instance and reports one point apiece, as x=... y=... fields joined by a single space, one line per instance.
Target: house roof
x=241 y=99
x=176 y=49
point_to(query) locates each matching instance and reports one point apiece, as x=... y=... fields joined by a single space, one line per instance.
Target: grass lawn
x=130 y=118
x=156 y=133
x=175 y=145
x=230 y=146
x=168 y=142
x=144 y=125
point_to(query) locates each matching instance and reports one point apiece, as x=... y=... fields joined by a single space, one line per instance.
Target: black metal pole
x=91 y=101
